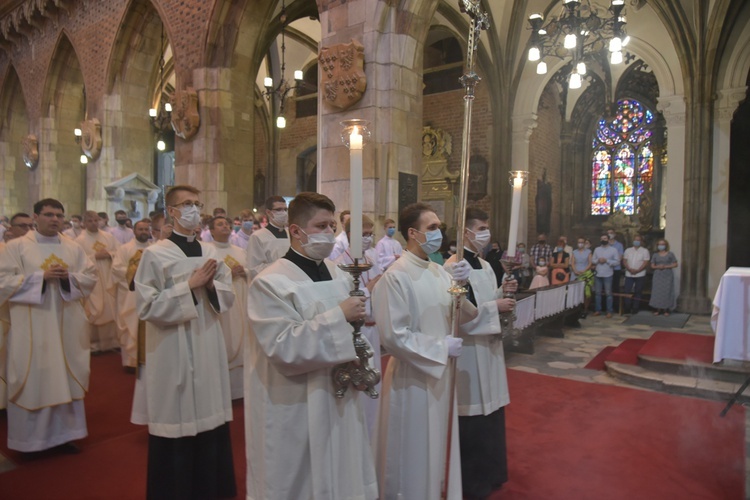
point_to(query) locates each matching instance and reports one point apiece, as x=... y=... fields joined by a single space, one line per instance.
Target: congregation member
x=368 y=280
x=635 y=260
x=302 y=442
x=100 y=246
x=560 y=264
x=662 y=287
x=269 y=244
x=43 y=278
x=540 y=251
x=76 y=227
x=605 y=258
x=388 y=248
x=342 y=242
x=412 y=305
x=234 y=322
x=582 y=269
x=181 y=290
x=247 y=226
x=482 y=388
x=124 y=266
x=19 y=225
x=121 y=231
x=617 y=271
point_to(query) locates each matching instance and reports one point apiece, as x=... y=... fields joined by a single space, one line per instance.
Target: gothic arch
x=14 y=126
x=60 y=173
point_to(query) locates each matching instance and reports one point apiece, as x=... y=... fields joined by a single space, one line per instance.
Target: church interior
x=105 y=103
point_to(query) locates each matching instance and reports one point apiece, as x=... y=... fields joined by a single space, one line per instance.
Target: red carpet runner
x=566 y=440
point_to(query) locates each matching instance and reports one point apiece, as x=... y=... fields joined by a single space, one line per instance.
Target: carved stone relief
x=91 y=138
x=185 y=116
x=343 y=77
x=30 y=146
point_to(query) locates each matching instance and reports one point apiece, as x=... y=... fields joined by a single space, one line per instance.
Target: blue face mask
x=434 y=239
x=390 y=231
x=636 y=243
x=662 y=247
x=236 y=228
x=247 y=225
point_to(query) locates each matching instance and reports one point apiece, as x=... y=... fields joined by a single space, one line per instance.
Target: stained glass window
x=622 y=165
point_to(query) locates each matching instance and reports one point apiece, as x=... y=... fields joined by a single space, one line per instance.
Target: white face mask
x=366 y=242
x=280 y=218
x=481 y=239
x=433 y=241
x=319 y=245
x=190 y=217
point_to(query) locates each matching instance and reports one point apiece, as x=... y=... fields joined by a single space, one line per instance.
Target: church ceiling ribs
x=29 y=18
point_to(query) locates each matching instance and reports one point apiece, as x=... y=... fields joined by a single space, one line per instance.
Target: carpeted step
x=675 y=384
x=680 y=346
x=627 y=352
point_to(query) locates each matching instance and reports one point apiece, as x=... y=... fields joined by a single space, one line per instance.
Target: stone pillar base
x=694 y=304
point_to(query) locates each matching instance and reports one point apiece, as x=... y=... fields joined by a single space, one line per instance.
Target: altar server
x=412 y=309
x=100 y=246
x=248 y=224
x=301 y=440
x=43 y=277
x=124 y=266
x=388 y=248
x=234 y=323
x=265 y=246
x=181 y=290
x=482 y=384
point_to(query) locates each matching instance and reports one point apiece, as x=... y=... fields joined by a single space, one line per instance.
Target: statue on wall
x=91 y=138
x=30 y=146
x=342 y=74
x=185 y=115
x=543 y=204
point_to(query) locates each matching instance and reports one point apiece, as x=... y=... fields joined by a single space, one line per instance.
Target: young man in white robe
x=19 y=225
x=234 y=322
x=367 y=283
x=342 y=240
x=248 y=224
x=181 y=289
x=43 y=278
x=482 y=387
x=269 y=244
x=122 y=233
x=124 y=266
x=412 y=309
x=389 y=249
x=303 y=442
x=100 y=247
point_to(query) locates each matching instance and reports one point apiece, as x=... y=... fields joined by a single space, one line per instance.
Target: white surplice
x=341 y=245
x=482 y=384
x=301 y=441
x=100 y=305
x=412 y=309
x=263 y=249
x=370 y=331
x=187 y=378
x=127 y=315
x=389 y=249
x=47 y=342
x=234 y=323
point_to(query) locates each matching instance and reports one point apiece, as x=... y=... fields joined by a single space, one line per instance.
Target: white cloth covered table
x=525 y=312
x=575 y=293
x=730 y=319
x=550 y=301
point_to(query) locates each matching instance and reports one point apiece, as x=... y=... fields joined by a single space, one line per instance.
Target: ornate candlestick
x=358 y=373
x=517 y=179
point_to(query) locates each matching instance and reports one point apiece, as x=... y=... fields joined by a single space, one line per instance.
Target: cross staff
x=479 y=22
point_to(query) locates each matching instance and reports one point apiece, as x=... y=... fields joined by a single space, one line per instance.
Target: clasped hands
x=56 y=271
x=204 y=275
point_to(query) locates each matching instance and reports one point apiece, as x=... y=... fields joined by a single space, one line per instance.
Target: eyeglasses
x=25 y=226
x=188 y=204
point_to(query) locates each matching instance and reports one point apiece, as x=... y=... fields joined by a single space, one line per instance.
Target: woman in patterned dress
x=662 y=289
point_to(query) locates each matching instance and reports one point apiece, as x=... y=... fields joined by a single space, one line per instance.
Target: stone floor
x=566 y=357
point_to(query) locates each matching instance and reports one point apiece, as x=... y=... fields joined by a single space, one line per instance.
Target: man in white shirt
x=388 y=248
x=100 y=246
x=43 y=277
x=635 y=261
x=76 y=227
x=303 y=442
x=270 y=243
x=248 y=225
x=342 y=240
x=206 y=233
x=121 y=231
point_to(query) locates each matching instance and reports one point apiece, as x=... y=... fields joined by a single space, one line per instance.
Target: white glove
x=459 y=271
x=455 y=346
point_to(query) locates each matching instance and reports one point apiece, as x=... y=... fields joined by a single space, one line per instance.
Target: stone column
x=523 y=127
x=673 y=108
x=392 y=102
x=726 y=105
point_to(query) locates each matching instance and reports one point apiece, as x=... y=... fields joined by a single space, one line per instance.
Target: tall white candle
x=355 y=192
x=515 y=212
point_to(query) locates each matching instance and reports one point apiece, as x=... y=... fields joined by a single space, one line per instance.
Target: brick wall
x=544 y=154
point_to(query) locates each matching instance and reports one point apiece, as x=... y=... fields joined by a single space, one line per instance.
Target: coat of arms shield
x=343 y=79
